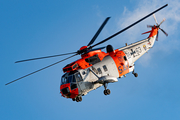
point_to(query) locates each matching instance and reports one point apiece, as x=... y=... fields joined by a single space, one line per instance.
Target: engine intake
x=109 y=48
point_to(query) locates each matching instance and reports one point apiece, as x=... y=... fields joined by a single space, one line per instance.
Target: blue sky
x=34 y=28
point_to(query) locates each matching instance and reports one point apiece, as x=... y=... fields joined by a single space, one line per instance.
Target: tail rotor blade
x=162 y=21
x=40 y=69
x=157 y=36
x=150 y=26
x=163 y=31
x=155 y=19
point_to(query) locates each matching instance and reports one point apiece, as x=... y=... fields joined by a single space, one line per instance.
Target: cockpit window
x=71 y=77
x=63 y=79
x=78 y=77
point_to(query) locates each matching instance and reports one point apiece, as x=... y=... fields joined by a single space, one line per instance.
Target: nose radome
x=69 y=90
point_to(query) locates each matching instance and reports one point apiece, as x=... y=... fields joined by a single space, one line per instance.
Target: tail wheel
x=135 y=75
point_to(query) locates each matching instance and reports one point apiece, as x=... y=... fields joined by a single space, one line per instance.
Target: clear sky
x=38 y=28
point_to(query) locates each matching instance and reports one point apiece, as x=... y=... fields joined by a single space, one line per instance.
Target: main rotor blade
x=40 y=70
x=98 y=32
x=129 y=26
x=44 y=57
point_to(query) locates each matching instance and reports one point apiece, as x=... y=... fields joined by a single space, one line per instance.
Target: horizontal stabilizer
x=146 y=32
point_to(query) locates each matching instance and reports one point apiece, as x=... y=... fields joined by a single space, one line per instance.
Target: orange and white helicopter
x=96 y=68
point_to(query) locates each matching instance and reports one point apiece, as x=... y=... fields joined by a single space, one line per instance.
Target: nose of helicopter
x=69 y=90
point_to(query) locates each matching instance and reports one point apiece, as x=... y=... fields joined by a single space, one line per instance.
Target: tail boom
x=136 y=50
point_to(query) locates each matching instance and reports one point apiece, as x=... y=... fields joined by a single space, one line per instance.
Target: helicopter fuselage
x=115 y=64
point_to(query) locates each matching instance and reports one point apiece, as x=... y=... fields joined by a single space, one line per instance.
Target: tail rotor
x=158 y=26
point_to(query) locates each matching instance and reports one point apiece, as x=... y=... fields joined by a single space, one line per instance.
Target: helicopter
x=96 y=68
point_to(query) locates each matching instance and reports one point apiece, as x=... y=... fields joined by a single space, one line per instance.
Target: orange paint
x=121 y=64
x=81 y=63
x=154 y=31
x=72 y=93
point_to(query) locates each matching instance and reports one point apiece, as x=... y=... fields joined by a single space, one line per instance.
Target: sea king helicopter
x=96 y=68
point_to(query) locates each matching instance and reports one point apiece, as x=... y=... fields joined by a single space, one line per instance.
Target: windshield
x=71 y=77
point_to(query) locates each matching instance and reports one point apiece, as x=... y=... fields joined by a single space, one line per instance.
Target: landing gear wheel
x=79 y=99
x=135 y=75
x=73 y=99
x=107 y=92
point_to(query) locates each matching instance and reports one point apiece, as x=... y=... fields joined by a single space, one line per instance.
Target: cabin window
x=105 y=68
x=94 y=69
x=125 y=58
x=83 y=72
x=99 y=70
